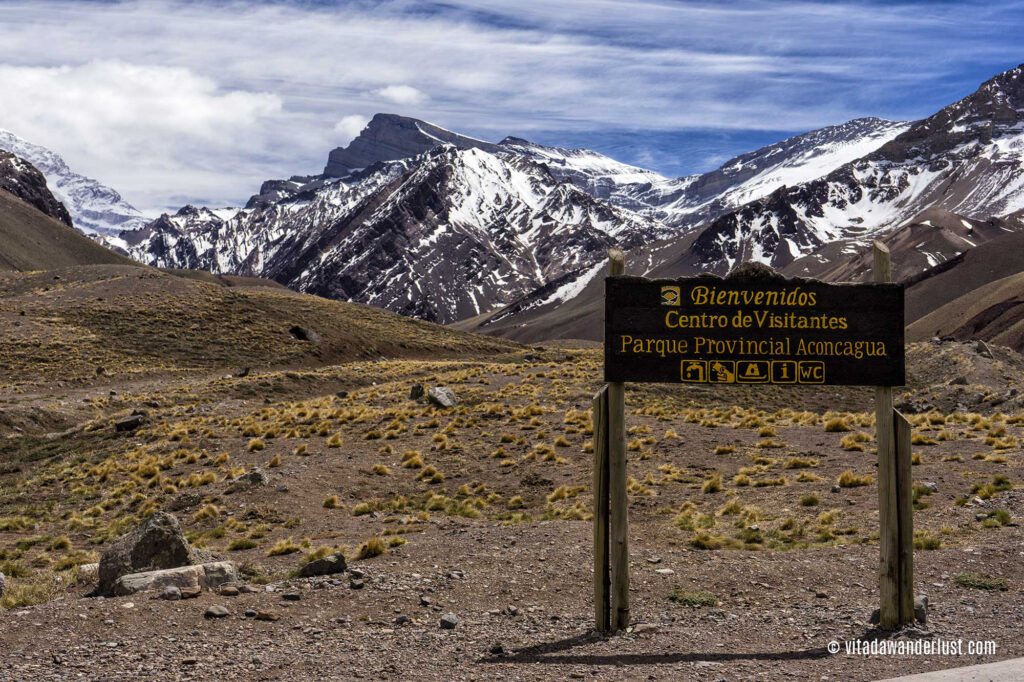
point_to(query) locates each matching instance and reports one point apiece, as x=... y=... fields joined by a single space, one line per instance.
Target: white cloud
x=170 y=98
x=349 y=128
x=404 y=95
x=151 y=124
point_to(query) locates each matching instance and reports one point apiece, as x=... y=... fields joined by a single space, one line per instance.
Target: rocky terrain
x=462 y=514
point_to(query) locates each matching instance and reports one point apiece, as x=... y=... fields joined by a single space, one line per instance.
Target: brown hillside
x=993 y=312
x=66 y=324
x=31 y=240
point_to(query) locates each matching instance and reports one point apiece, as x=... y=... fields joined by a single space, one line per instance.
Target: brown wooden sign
x=753 y=330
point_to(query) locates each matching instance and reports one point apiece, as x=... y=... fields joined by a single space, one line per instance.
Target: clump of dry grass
x=713 y=484
x=836 y=425
x=373 y=547
x=848 y=479
x=411 y=459
x=286 y=546
x=332 y=502
x=768 y=482
x=207 y=513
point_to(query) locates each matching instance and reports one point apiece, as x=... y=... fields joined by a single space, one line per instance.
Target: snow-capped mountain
x=445 y=235
x=431 y=223
x=94 y=207
x=690 y=201
x=967 y=159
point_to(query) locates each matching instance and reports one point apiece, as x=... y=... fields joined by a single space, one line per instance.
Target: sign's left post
x=618 y=500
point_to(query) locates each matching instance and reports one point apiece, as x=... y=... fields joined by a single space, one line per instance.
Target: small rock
x=641 y=628
x=425 y=600
x=980 y=517
x=449 y=621
x=342 y=394
x=190 y=592
x=3 y=582
x=416 y=392
x=247 y=589
x=821 y=595
x=291 y=596
x=442 y=396
x=328 y=565
x=497 y=649
x=356 y=573
x=664 y=571
x=171 y=593
x=250 y=613
x=402 y=620
x=356 y=584
x=268 y=616
x=512 y=610
x=304 y=334
x=87 y=573
x=216 y=611
x=921 y=608
x=836 y=489
x=654 y=560
x=931 y=486
x=129 y=423
x=229 y=591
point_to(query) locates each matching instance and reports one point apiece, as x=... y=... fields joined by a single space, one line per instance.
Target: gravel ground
x=521 y=597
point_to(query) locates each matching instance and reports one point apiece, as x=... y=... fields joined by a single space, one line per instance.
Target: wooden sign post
x=753 y=327
x=611 y=519
x=895 y=500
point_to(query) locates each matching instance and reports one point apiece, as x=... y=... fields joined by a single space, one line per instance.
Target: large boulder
x=153 y=545
x=206 y=576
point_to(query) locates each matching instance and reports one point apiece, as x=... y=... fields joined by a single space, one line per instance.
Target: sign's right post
x=895 y=510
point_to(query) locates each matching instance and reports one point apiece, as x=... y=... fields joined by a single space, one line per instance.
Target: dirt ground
x=753 y=517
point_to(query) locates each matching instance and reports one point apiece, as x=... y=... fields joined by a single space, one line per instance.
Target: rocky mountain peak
x=388 y=137
x=23 y=180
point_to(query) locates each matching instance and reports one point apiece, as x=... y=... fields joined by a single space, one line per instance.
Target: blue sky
x=171 y=101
